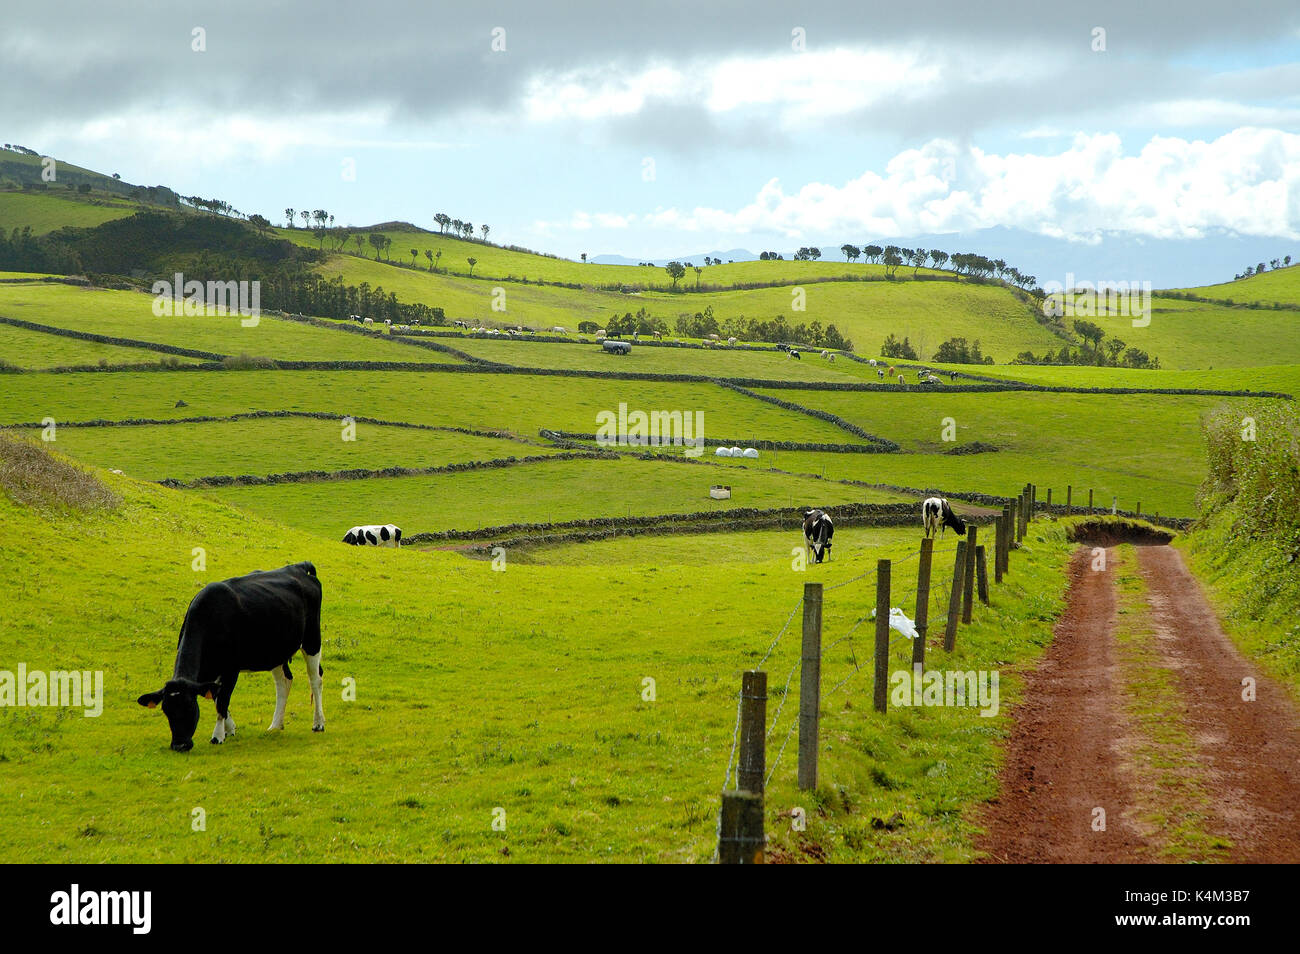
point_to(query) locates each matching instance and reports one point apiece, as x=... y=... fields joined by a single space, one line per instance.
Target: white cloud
x=1247 y=181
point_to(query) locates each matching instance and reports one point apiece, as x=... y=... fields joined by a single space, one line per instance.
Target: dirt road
x=1077 y=746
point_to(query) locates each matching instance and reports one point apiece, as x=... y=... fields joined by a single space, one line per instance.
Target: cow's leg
x=314 y=678
x=283 y=683
x=224 y=722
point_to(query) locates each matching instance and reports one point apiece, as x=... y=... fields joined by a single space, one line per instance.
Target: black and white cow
x=374 y=535
x=817 y=533
x=252 y=623
x=936 y=515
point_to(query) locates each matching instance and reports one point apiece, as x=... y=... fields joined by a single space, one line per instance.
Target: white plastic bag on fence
x=898 y=620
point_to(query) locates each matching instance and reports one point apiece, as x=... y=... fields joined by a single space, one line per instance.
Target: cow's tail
x=285 y=667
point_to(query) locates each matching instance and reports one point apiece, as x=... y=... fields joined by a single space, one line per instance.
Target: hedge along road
x=1136 y=741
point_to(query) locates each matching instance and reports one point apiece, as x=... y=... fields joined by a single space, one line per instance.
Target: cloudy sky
x=683 y=127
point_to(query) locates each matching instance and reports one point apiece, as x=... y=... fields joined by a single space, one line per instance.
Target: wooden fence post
x=1089 y=498
x=740 y=836
x=882 y=635
x=1114 y=505
x=1138 y=511
x=968 y=575
x=954 y=598
x=1006 y=539
x=982 y=575
x=810 y=685
x=1069 y=500
x=753 y=732
x=1049 y=498
x=922 y=602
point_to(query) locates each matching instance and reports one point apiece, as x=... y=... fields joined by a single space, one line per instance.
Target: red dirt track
x=1068 y=752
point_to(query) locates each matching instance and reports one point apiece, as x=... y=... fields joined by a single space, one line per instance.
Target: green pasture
x=1282 y=285
x=47 y=211
x=519 y=403
x=266 y=446
x=126 y=314
x=36 y=350
x=545 y=492
x=477 y=693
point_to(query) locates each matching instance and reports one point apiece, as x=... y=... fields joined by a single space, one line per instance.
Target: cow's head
x=180 y=704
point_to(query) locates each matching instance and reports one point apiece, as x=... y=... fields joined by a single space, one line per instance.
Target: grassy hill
x=538 y=694
x=1278 y=285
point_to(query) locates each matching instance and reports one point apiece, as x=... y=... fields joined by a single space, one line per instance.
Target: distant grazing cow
x=560 y=330
x=936 y=515
x=830 y=358
x=368 y=322
x=890 y=372
x=825 y=354
x=902 y=379
x=731 y=342
x=880 y=373
x=252 y=623
x=659 y=336
x=952 y=375
x=116 y=471
x=872 y=362
x=783 y=347
x=356 y=318
x=795 y=354
x=374 y=535
x=817 y=533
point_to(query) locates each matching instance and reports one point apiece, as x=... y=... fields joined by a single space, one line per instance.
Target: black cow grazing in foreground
x=374 y=535
x=252 y=623
x=817 y=533
x=936 y=515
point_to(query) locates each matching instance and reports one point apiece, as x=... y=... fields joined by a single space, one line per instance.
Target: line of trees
x=460 y=228
x=1258 y=268
x=1115 y=354
x=774 y=330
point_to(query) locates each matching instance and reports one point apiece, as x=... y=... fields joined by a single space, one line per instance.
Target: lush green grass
x=720 y=362
x=866 y=312
x=1281 y=284
x=127 y=314
x=275 y=446
x=533 y=493
x=1185 y=335
x=500 y=263
x=1283 y=378
x=45 y=212
x=519 y=403
x=35 y=349
x=1148 y=439
x=475 y=691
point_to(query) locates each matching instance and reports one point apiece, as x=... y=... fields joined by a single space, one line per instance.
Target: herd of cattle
x=257 y=622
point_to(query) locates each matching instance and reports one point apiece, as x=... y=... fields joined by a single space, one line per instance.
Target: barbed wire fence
x=740 y=834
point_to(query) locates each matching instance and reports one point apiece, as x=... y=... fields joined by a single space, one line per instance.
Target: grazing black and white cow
x=937 y=515
x=795 y=354
x=374 y=535
x=817 y=533
x=252 y=623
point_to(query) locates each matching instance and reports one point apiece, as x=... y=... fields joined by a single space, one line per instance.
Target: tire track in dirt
x=1063 y=755
x=1068 y=752
x=1248 y=752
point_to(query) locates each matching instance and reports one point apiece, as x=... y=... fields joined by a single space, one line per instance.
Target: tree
x=304 y=215
x=437 y=256
x=484 y=229
x=938 y=257
x=698 y=271
x=468 y=229
x=1090 y=331
x=851 y=252
x=472 y=262
x=428 y=253
x=376 y=242
x=892 y=260
x=359 y=240
x=288 y=214
x=584 y=258
x=443 y=220
x=414 y=252
x=872 y=252
x=319 y=236
x=1114 y=347
x=675 y=271
x=918 y=257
